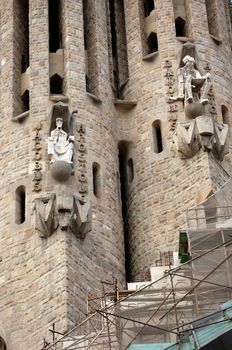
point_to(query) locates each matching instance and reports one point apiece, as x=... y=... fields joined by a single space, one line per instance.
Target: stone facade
x=45 y=280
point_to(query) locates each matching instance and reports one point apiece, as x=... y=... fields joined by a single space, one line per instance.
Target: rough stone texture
x=46 y=280
x=212 y=17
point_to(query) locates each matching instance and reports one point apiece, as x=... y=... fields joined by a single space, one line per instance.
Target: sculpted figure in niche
x=60 y=145
x=192 y=86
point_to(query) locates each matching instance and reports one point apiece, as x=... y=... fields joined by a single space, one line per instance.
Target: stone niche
x=65 y=211
x=61 y=142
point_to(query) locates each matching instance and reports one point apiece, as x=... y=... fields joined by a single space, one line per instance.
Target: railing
x=203 y=217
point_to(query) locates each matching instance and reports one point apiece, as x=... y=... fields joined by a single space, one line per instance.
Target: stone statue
x=60 y=145
x=192 y=86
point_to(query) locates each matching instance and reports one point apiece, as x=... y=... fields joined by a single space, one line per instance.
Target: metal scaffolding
x=173 y=308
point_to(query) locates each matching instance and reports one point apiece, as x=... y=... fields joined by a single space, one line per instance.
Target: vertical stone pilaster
x=7 y=59
x=197 y=16
x=102 y=50
x=39 y=58
x=74 y=53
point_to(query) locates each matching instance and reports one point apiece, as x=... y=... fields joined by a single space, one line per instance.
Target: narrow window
x=25 y=53
x=124 y=169
x=148 y=7
x=20 y=205
x=118 y=44
x=152 y=41
x=180 y=15
x=130 y=170
x=2 y=344
x=21 y=56
x=180 y=26
x=55 y=34
x=90 y=43
x=56 y=84
x=225 y=115
x=26 y=100
x=149 y=38
x=97 y=187
x=157 y=136
x=211 y=11
x=55 y=47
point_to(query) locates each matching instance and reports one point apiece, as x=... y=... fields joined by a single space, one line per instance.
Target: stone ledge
x=150 y=56
x=216 y=39
x=21 y=116
x=93 y=97
x=184 y=39
x=58 y=98
x=124 y=105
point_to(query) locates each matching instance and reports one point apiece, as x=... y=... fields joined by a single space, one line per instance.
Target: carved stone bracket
x=203 y=132
x=63 y=210
x=37 y=148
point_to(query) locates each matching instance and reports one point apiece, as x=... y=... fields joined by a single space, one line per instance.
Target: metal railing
x=201 y=217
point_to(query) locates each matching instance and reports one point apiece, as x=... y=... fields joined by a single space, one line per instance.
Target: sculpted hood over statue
x=60 y=145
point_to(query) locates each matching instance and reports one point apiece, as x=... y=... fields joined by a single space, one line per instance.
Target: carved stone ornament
x=199 y=130
x=61 y=142
x=203 y=132
x=193 y=88
x=37 y=148
x=60 y=149
x=63 y=210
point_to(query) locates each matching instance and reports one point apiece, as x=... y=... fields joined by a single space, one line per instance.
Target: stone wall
x=164 y=185
x=46 y=280
x=212 y=13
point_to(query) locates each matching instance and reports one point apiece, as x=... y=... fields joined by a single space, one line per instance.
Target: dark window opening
x=118 y=46
x=114 y=44
x=180 y=26
x=123 y=150
x=87 y=38
x=56 y=84
x=25 y=55
x=26 y=100
x=55 y=37
x=183 y=247
x=148 y=7
x=97 y=180
x=2 y=344
x=157 y=136
x=225 y=115
x=87 y=83
x=20 y=205
x=152 y=42
x=130 y=170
